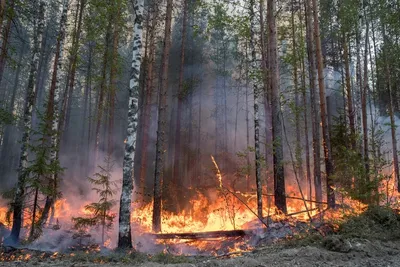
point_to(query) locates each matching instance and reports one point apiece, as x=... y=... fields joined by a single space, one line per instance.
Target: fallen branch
x=202 y=235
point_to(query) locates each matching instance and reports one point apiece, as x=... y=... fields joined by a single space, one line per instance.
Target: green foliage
x=100 y=212
x=6 y=117
x=381 y=223
x=350 y=173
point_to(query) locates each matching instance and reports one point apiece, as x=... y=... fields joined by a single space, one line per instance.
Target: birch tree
x=124 y=231
x=52 y=111
x=18 y=202
x=256 y=91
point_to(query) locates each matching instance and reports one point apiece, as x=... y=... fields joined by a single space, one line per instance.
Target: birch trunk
x=256 y=92
x=18 y=202
x=53 y=114
x=124 y=231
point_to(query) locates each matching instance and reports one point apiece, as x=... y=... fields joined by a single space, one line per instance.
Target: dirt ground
x=333 y=251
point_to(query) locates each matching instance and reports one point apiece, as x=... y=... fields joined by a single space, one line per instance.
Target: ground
x=369 y=239
x=332 y=251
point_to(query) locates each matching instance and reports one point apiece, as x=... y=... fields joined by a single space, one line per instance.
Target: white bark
x=256 y=90
x=30 y=100
x=124 y=232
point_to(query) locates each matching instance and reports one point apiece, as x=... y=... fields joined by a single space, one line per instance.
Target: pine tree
x=101 y=214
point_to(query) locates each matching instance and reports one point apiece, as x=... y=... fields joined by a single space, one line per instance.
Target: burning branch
x=219 y=176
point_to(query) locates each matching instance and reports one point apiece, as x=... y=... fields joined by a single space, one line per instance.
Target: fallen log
x=202 y=235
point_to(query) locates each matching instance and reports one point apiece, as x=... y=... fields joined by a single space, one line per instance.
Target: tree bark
x=322 y=99
x=124 y=230
x=314 y=103
x=18 y=202
x=349 y=93
x=180 y=92
x=6 y=36
x=279 y=175
x=256 y=92
x=53 y=113
x=161 y=127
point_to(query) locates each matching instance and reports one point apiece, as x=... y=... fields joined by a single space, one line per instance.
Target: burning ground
x=371 y=238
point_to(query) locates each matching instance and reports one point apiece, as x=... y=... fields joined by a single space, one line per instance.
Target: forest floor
x=371 y=239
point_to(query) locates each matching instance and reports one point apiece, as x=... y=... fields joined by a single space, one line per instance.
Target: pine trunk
x=279 y=175
x=314 y=104
x=161 y=127
x=124 y=231
x=6 y=37
x=322 y=99
x=180 y=94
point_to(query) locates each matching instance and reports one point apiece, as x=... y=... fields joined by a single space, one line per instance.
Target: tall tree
x=162 y=116
x=314 y=103
x=52 y=113
x=124 y=231
x=18 y=202
x=322 y=100
x=279 y=174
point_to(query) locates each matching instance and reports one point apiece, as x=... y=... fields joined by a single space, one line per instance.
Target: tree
x=100 y=212
x=279 y=174
x=322 y=99
x=256 y=91
x=124 y=232
x=161 y=127
x=18 y=201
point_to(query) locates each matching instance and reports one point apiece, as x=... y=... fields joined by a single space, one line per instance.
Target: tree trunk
x=18 y=202
x=305 y=111
x=6 y=36
x=256 y=92
x=314 y=105
x=100 y=105
x=52 y=113
x=298 y=151
x=364 y=101
x=6 y=146
x=124 y=231
x=322 y=99
x=176 y=161
x=279 y=175
x=148 y=99
x=161 y=127
x=391 y=111
x=349 y=93
x=113 y=80
x=67 y=101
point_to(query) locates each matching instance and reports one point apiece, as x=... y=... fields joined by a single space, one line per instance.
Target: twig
x=219 y=176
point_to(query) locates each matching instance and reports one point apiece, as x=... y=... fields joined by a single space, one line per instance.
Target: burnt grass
x=376 y=226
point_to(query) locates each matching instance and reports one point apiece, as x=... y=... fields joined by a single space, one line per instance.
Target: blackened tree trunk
x=279 y=175
x=18 y=202
x=124 y=230
x=161 y=127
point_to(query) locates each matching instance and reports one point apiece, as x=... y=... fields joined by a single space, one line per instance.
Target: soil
x=331 y=251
